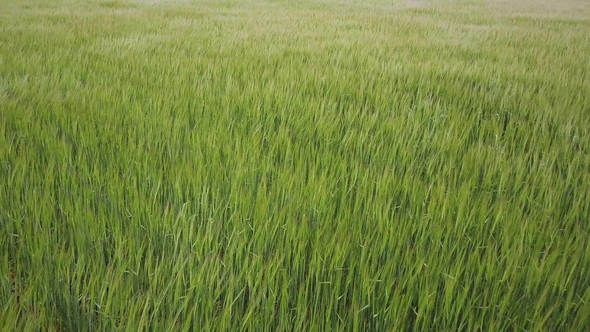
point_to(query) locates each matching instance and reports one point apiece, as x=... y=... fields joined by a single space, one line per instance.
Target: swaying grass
x=294 y=165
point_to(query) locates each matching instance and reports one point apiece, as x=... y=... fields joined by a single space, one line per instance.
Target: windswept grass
x=294 y=166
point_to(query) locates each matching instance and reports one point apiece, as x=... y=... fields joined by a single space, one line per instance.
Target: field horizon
x=240 y=165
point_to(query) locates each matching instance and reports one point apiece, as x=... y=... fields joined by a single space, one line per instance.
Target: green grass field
x=313 y=165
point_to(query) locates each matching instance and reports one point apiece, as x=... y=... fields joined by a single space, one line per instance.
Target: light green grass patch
x=305 y=166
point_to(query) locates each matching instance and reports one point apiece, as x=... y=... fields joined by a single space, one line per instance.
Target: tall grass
x=302 y=166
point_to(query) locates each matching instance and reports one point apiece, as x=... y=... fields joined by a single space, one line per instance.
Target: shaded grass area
x=293 y=166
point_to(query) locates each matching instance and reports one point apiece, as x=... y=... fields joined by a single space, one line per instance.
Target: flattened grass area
x=294 y=165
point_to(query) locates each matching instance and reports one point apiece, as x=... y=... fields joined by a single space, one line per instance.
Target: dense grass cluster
x=294 y=165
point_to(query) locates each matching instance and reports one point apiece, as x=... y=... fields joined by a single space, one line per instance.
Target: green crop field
x=309 y=165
